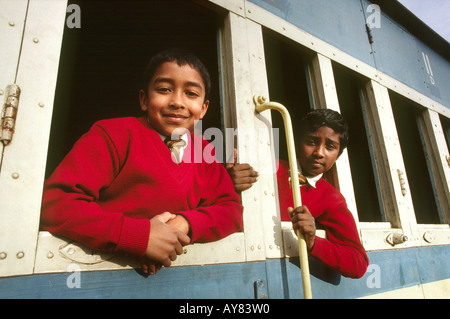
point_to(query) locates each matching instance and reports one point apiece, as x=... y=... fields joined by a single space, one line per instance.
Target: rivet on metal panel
x=20 y=255
x=41 y=104
x=3 y=255
x=15 y=175
x=428 y=237
x=11 y=23
x=50 y=254
x=35 y=40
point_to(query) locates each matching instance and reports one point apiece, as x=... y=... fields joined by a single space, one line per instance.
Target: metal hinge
x=260 y=289
x=369 y=33
x=9 y=113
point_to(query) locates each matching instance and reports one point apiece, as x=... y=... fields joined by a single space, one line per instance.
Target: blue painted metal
x=388 y=270
x=225 y=281
x=394 y=50
x=273 y=278
x=342 y=26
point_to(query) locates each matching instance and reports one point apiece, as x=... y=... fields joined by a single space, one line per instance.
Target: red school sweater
x=342 y=249
x=120 y=174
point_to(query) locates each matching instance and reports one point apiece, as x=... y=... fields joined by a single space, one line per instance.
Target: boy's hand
x=303 y=221
x=164 y=244
x=242 y=175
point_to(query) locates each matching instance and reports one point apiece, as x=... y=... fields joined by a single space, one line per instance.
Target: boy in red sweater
x=322 y=138
x=119 y=188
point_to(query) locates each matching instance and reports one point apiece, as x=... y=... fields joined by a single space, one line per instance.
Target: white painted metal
x=398 y=207
x=24 y=159
x=434 y=138
x=244 y=68
x=12 y=20
x=55 y=254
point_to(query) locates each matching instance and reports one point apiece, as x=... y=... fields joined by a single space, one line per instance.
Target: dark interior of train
x=286 y=68
x=101 y=62
x=348 y=87
x=415 y=155
x=288 y=76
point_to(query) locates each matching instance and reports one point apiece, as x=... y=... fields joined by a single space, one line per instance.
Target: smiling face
x=319 y=150
x=174 y=99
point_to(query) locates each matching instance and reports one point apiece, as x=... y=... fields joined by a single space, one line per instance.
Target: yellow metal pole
x=262 y=105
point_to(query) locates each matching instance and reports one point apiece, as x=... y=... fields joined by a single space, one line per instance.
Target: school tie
x=175 y=147
x=301 y=179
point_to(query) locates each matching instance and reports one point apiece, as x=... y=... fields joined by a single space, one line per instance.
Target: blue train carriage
x=68 y=64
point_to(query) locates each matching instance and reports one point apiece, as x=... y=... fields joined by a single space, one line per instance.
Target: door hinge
x=9 y=113
x=369 y=33
x=260 y=289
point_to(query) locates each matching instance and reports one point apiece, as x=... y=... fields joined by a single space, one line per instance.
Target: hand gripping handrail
x=261 y=105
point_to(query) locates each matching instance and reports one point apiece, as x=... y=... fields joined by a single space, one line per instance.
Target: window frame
x=35 y=34
x=401 y=220
x=243 y=74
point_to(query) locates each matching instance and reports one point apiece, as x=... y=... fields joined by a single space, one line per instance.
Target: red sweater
x=342 y=250
x=120 y=174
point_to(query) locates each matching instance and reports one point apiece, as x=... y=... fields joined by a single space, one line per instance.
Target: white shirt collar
x=313 y=180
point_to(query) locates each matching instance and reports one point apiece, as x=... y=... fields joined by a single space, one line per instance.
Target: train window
x=415 y=157
x=367 y=196
x=446 y=128
x=98 y=78
x=101 y=62
x=287 y=69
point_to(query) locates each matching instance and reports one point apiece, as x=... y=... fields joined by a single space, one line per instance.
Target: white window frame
x=401 y=218
x=34 y=34
x=243 y=74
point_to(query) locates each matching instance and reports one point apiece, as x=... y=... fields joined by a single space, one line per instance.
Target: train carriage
x=67 y=64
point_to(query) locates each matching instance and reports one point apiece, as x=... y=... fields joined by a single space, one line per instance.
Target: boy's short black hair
x=315 y=119
x=181 y=57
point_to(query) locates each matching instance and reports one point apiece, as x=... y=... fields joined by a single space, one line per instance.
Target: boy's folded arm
x=69 y=208
x=220 y=212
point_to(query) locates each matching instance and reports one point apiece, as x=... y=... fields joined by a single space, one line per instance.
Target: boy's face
x=318 y=151
x=174 y=99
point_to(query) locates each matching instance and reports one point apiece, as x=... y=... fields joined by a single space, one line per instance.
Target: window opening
x=287 y=69
x=101 y=62
x=445 y=122
x=414 y=156
x=360 y=153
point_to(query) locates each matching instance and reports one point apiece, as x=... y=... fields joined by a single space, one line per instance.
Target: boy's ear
x=204 y=108
x=143 y=100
